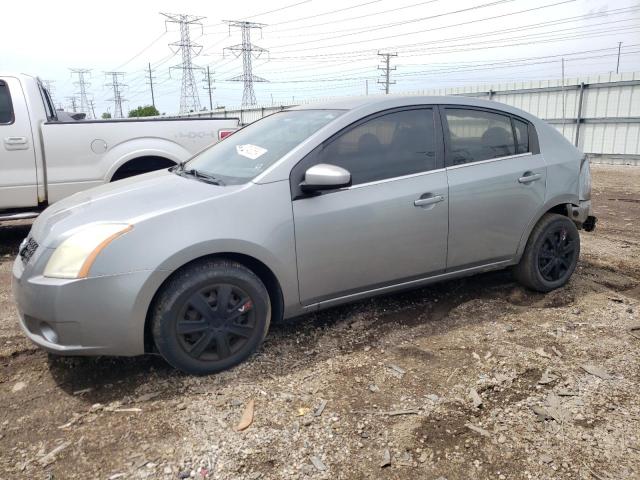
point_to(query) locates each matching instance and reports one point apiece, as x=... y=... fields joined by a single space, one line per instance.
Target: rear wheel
x=551 y=254
x=210 y=317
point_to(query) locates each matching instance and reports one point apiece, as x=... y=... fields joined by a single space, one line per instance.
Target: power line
x=142 y=51
x=348 y=19
x=386 y=69
x=246 y=49
x=396 y=24
x=189 y=99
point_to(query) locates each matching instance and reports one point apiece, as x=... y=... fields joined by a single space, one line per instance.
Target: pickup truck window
x=250 y=151
x=6 y=108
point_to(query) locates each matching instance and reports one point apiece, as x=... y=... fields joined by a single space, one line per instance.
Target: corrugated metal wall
x=604 y=108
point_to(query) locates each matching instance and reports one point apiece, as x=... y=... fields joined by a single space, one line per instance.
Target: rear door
x=497 y=182
x=391 y=224
x=18 y=184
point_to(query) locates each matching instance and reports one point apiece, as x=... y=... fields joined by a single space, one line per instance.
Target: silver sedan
x=302 y=210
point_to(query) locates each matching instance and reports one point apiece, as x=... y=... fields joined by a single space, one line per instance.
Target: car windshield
x=250 y=151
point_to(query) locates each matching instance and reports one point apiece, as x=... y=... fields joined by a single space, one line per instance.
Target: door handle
x=528 y=178
x=425 y=201
x=16 y=143
x=15 y=140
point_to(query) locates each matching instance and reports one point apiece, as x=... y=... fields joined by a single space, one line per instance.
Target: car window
x=392 y=145
x=522 y=136
x=251 y=150
x=6 y=109
x=478 y=135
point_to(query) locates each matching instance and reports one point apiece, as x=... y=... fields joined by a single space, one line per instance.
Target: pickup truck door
x=18 y=181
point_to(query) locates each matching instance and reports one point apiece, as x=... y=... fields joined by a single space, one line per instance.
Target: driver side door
x=390 y=226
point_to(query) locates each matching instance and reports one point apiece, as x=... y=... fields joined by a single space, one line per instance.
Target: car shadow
x=106 y=379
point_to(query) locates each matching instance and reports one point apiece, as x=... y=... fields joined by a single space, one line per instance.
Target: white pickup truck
x=44 y=158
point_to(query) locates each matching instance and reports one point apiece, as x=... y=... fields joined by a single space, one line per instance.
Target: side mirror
x=325 y=177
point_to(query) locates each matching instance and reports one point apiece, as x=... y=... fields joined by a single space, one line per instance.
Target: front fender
x=287 y=281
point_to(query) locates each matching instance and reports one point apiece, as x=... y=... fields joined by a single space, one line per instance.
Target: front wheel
x=210 y=317
x=551 y=254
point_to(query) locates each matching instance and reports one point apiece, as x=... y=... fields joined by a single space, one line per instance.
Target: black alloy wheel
x=210 y=316
x=551 y=254
x=216 y=322
x=556 y=255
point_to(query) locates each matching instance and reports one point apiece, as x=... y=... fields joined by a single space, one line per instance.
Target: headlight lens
x=73 y=257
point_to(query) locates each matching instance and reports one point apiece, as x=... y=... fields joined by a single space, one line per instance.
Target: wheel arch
x=133 y=149
x=556 y=205
x=264 y=273
x=140 y=165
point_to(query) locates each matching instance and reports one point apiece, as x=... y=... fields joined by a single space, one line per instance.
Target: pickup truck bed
x=43 y=160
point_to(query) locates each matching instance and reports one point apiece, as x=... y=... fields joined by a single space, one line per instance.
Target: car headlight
x=73 y=257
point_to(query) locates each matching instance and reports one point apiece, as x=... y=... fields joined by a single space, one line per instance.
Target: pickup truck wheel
x=210 y=317
x=551 y=254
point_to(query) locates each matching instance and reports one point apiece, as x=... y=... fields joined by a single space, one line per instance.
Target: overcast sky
x=317 y=48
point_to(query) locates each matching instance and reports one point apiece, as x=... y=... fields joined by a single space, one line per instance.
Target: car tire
x=551 y=254
x=210 y=316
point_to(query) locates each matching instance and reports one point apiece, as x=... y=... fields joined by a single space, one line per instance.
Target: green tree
x=146 y=111
x=106 y=116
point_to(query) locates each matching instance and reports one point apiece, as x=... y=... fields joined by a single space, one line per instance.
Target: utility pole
x=83 y=85
x=117 y=86
x=386 y=69
x=92 y=106
x=618 y=64
x=74 y=107
x=150 y=82
x=248 y=52
x=208 y=87
x=189 y=99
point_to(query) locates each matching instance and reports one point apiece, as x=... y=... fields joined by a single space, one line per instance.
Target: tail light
x=222 y=134
x=585 y=180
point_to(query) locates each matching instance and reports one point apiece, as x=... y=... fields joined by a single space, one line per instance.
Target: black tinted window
x=478 y=135
x=388 y=146
x=522 y=136
x=6 y=110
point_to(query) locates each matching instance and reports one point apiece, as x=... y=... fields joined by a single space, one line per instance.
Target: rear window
x=476 y=135
x=6 y=109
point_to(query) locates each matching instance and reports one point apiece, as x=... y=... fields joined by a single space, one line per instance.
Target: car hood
x=128 y=201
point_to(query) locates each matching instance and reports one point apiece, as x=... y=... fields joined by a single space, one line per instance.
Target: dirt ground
x=475 y=378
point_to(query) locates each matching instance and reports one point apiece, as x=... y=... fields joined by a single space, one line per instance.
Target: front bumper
x=93 y=316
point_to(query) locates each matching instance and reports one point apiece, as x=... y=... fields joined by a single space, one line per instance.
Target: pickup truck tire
x=551 y=254
x=210 y=316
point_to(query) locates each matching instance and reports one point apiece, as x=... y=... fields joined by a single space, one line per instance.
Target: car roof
x=382 y=102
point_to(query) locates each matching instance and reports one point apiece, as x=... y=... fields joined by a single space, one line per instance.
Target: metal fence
x=599 y=114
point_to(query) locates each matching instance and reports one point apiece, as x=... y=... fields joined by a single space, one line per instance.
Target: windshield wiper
x=200 y=175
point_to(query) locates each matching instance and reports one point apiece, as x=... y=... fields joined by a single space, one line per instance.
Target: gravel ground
x=475 y=378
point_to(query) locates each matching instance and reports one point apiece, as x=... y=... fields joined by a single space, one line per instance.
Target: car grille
x=27 y=249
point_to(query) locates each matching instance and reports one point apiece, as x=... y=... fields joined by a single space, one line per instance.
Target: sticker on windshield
x=250 y=151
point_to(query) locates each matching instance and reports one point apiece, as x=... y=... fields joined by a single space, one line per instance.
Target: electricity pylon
x=248 y=52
